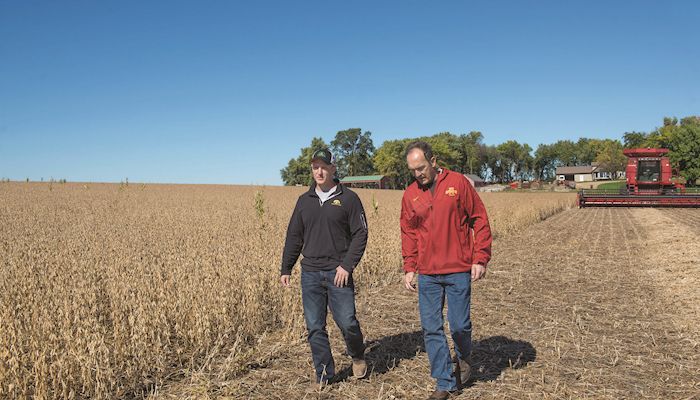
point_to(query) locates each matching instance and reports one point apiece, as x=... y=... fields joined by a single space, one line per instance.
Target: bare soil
x=592 y=303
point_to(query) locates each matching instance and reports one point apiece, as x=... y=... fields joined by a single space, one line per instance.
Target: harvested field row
x=688 y=217
x=671 y=258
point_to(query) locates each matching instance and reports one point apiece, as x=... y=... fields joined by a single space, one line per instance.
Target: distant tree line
x=466 y=153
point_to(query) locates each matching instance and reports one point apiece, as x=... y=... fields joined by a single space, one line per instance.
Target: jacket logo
x=336 y=202
x=451 y=192
x=416 y=199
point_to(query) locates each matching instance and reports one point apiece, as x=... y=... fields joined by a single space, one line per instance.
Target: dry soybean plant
x=107 y=292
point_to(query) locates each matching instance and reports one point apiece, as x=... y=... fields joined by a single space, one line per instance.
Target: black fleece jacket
x=329 y=235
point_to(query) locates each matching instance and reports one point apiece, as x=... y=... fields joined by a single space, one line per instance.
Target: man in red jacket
x=446 y=239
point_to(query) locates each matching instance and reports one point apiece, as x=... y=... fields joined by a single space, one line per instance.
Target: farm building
x=366 y=181
x=600 y=175
x=586 y=173
x=475 y=180
x=583 y=173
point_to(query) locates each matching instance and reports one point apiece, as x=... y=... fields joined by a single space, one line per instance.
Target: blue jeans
x=432 y=290
x=318 y=293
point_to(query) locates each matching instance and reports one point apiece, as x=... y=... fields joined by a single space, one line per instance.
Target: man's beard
x=427 y=185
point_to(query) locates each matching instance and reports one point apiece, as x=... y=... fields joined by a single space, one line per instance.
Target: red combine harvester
x=650 y=183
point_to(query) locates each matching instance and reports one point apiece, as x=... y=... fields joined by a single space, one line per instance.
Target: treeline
x=466 y=153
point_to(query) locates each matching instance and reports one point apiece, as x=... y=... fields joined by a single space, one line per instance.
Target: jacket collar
x=338 y=188
x=438 y=178
x=442 y=175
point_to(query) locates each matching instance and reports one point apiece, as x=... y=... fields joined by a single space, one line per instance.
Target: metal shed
x=365 y=181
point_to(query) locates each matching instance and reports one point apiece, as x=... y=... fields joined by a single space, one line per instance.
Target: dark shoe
x=465 y=371
x=359 y=368
x=443 y=394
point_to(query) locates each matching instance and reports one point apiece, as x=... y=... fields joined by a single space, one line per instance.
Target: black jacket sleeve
x=294 y=241
x=358 y=235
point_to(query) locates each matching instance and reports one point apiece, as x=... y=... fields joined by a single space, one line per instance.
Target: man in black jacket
x=328 y=226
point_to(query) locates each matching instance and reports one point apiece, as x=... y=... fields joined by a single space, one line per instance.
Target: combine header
x=650 y=183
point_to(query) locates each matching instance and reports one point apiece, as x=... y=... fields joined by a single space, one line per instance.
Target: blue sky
x=229 y=91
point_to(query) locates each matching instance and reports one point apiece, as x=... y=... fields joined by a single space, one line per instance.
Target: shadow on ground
x=490 y=356
x=493 y=355
x=385 y=354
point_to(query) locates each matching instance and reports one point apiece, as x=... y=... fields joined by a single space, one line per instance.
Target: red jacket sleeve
x=409 y=241
x=479 y=221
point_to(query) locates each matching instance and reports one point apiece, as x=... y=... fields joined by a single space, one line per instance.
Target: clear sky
x=229 y=91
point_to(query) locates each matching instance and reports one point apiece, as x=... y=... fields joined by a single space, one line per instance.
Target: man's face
x=323 y=173
x=423 y=170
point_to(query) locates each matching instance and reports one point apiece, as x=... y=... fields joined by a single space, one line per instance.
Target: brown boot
x=359 y=368
x=315 y=385
x=442 y=394
x=465 y=371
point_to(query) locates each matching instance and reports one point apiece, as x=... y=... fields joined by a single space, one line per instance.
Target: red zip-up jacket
x=446 y=231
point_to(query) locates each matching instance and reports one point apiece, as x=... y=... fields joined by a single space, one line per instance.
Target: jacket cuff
x=409 y=268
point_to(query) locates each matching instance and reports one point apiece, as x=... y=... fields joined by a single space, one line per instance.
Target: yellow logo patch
x=451 y=192
x=336 y=202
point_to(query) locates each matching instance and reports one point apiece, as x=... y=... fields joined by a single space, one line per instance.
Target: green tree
x=610 y=157
x=683 y=141
x=586 y=150
x=460 y=153
x=686 y=149
x=634 y=140
x=663 y=137
x=545 y=162
x=516 y=161
x=389 y=161
x=298 y=170
x=353 y=151
x=493 y=167
x=445 y=148
x=467 y=149
x=475 y=157
x=564 y=151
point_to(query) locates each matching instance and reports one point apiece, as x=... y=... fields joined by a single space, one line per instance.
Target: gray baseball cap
x=324 y=155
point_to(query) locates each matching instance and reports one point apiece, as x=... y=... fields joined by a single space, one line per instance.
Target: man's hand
x=408 y=281
x=284 y=280
x=341 y=277
x=478 y=272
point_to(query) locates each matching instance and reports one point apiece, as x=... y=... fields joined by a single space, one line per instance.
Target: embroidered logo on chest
x=336 y=202
x=451 y=192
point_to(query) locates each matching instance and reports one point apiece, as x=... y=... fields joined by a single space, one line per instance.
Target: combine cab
x=650 y=183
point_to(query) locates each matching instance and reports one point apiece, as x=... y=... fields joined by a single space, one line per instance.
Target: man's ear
x=433 y=162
